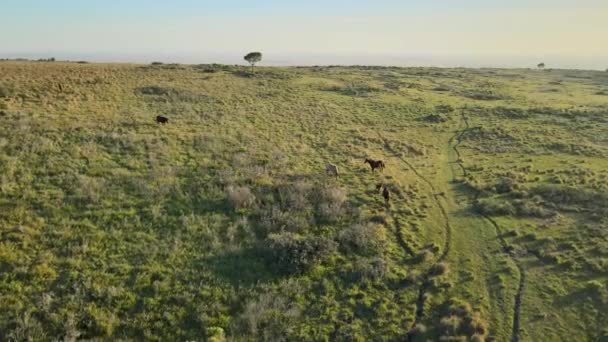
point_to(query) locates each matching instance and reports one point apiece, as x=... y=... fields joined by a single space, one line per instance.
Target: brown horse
x=386 y=194
x=375 y=164
x=161 y=119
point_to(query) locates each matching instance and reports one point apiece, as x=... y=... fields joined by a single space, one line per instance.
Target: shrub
x=297 y=197
x=440 y=269
x=154 y=90
x=6 y=90
x=460 y=323
x=450 y=324
x=531 y=209
x=212 y=68
x=370 y=269
x=560 y=194
x=484 y=95
x=215 y=334
x=425 y=256
x=359 y=238
x=27 y=328
x=595 y=286
x=435 y=118
x=493 y=206
x=511 y=113
x=443 y=108
x=418 y=329
x=240 y=197
x=293 y=254
x=273 y=220
x=331 y=204
x=505 y=185
x=89 y=189
x=266 y=317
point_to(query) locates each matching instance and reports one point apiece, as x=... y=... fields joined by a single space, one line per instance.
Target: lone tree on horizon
x=541 y=66
x=252 y=58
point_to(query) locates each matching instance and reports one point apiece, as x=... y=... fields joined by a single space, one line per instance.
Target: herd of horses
x=374 y=164
x=333 y=169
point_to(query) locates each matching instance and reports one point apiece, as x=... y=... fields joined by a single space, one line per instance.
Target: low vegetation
x=223 y=224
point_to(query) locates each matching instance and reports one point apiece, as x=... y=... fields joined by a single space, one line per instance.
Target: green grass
x=222 y=224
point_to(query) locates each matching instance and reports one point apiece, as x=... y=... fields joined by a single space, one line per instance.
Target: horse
x=375 y=164
x=386 y=194
x=332 y=169
x=161 y=119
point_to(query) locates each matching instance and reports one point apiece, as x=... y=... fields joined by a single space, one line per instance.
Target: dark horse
x=386 y=194
x=161 y=119
x=375 y=164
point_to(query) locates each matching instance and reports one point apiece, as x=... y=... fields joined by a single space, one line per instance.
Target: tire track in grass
x=426 y=280
x=399 y=233
x=363 y=179
x=515 y=332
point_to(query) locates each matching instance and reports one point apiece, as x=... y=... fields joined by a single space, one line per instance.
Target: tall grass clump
x=240 y=197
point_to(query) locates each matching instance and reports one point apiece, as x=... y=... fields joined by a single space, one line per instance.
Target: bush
x=331 y=204
x=511 y=113
x=268 y=317
x=6 y=90
x=212 y=68
x=505 y=185
x=443 y=108
x=440 y=269
x=425 y=255
x=370 y=269
x=297 y=196
x=154 y=90
x=484 y=95
x=529 y=208
x=460 y=323
x=560 y=194
x=90 y=189
x=493 y=206
x=215 y=334
x=272 y=219
x=435 y=118
x=240 y=197
x=359 y=238
x=418 y=329
x=293 y=254
x=595 y=286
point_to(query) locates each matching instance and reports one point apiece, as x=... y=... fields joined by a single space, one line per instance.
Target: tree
x=541 y=66
x=252 y=58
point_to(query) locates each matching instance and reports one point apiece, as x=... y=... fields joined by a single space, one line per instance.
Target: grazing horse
x=332 y=169
x=375 y=164
x=386 y=194
x=161 y=119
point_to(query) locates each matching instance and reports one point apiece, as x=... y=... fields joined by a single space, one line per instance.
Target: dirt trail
x=515 y=332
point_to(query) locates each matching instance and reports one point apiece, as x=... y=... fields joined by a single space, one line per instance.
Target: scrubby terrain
x=223 y=224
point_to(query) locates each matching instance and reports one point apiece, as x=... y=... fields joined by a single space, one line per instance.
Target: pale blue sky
x=564 y=33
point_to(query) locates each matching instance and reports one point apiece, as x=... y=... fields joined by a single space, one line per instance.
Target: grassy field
x=223 y=225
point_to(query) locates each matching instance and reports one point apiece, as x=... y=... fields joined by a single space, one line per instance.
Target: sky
x=473 y=33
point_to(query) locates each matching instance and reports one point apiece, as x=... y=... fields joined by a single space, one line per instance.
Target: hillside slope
x=223 y=223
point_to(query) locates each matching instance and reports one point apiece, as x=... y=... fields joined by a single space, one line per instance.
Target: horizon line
x=283 y=59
